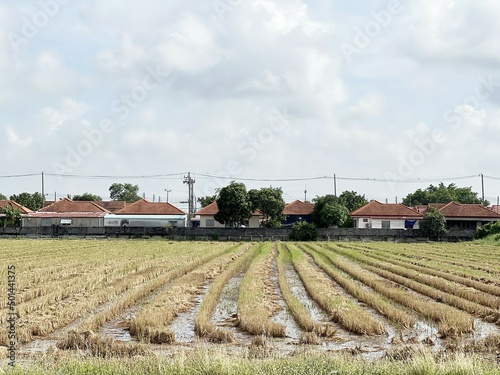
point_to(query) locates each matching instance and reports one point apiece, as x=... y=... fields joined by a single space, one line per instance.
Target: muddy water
x=183 y=324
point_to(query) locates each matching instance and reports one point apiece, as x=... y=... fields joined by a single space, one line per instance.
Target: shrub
x=488 y=229
x=304 y=231
x=433 y=224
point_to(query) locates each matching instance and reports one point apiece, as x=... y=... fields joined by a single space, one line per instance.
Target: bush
x=488 y=229
x=303 y=231
x=433 y=224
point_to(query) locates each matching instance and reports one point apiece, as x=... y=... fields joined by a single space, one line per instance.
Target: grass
x=257 y=300
x=351 y=316
x=220 y=362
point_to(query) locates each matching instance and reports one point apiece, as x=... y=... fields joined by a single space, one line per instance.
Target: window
x=210 y=223
x=365 y=220
x=386 y=224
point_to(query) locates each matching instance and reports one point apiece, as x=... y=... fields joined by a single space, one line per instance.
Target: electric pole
x=482 y=188
x=305 y=194
x=334 y=184
x=168 y=191
x=43 y=192
x=190 y=181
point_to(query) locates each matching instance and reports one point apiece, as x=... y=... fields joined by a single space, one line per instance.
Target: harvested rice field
x=379 y=303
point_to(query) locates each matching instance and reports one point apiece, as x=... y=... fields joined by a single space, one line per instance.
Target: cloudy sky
x=379 y=93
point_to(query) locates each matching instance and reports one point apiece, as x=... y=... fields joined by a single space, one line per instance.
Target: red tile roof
x=113 y=206
x=144 y=207
x=212 y=209
x=496 y=208
x=422 y=208
x=468 y=211
x=389 y=210
x=66 y=205
x=298 y=207
x=22 y=209
x=66 y=214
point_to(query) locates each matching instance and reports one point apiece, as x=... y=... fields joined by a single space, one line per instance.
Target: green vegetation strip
x=212 y=362
x=440 y=290
x=298 y=310
x=450 y=320
x=202 y=324
x=352 y=317
x=372 y=299
x=257 y=300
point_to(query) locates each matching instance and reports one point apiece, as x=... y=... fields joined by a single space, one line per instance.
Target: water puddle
x=183 y=324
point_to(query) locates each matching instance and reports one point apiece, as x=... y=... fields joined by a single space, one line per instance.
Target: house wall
x=377 y=223
x=50 y=221
x=254 y=222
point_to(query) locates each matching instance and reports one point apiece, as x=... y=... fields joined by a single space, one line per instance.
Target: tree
x=31 y=201
x=205 y=201
x=329 y=211
x=433 y=224
x=270 y=202
x=303 y=231
x=12 y=217
x=124 y=192
x=2 y=197
x=87 y=197
x=234 y=205
x=443 y=194
x=352 y=200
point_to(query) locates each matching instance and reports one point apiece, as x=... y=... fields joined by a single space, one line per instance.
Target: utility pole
x=190 y=181
x=334 y=184
x=482 y=187
x=305 y=194
x=168 y=191
x=43 y=192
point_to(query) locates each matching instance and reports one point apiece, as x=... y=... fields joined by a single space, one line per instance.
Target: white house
x=386 y=216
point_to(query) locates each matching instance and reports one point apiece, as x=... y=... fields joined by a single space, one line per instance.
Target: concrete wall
x=232 y=234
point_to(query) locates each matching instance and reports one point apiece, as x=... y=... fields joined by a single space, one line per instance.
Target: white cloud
x=16 y=140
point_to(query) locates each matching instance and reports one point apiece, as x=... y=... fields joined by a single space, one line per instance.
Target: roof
x=496 y=208
x=22 y=209
x=298 y=207
x=476 y=211
x=112 y=206
x=144 y=207
x=66 y=205
x=424 y=207
x=212 y=209
x=40 y=214
x=388 y=210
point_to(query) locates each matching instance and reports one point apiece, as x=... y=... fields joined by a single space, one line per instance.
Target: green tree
x=234 y=205
x=303 y=231
x=433 y=224
x=329 y=211
x=31 y=201
x=124 y=192
x=443 y=194
x=11 y=217
x=87 y=197
x=205 y=201
x=352 y=200
x=2 y=197
x=270 y=202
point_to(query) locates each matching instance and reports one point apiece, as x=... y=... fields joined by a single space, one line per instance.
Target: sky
x=388 y=96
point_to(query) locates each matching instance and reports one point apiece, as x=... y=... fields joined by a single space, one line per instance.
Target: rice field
x=126 y=298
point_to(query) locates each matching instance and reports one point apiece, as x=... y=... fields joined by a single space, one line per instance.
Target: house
x=8 y=203
x=386 y=216
x=297 y=211
x=495 y=208
x=144 y=213
x=68 y=213
x=112 y=206
x=207 y=220
x=465 y=216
